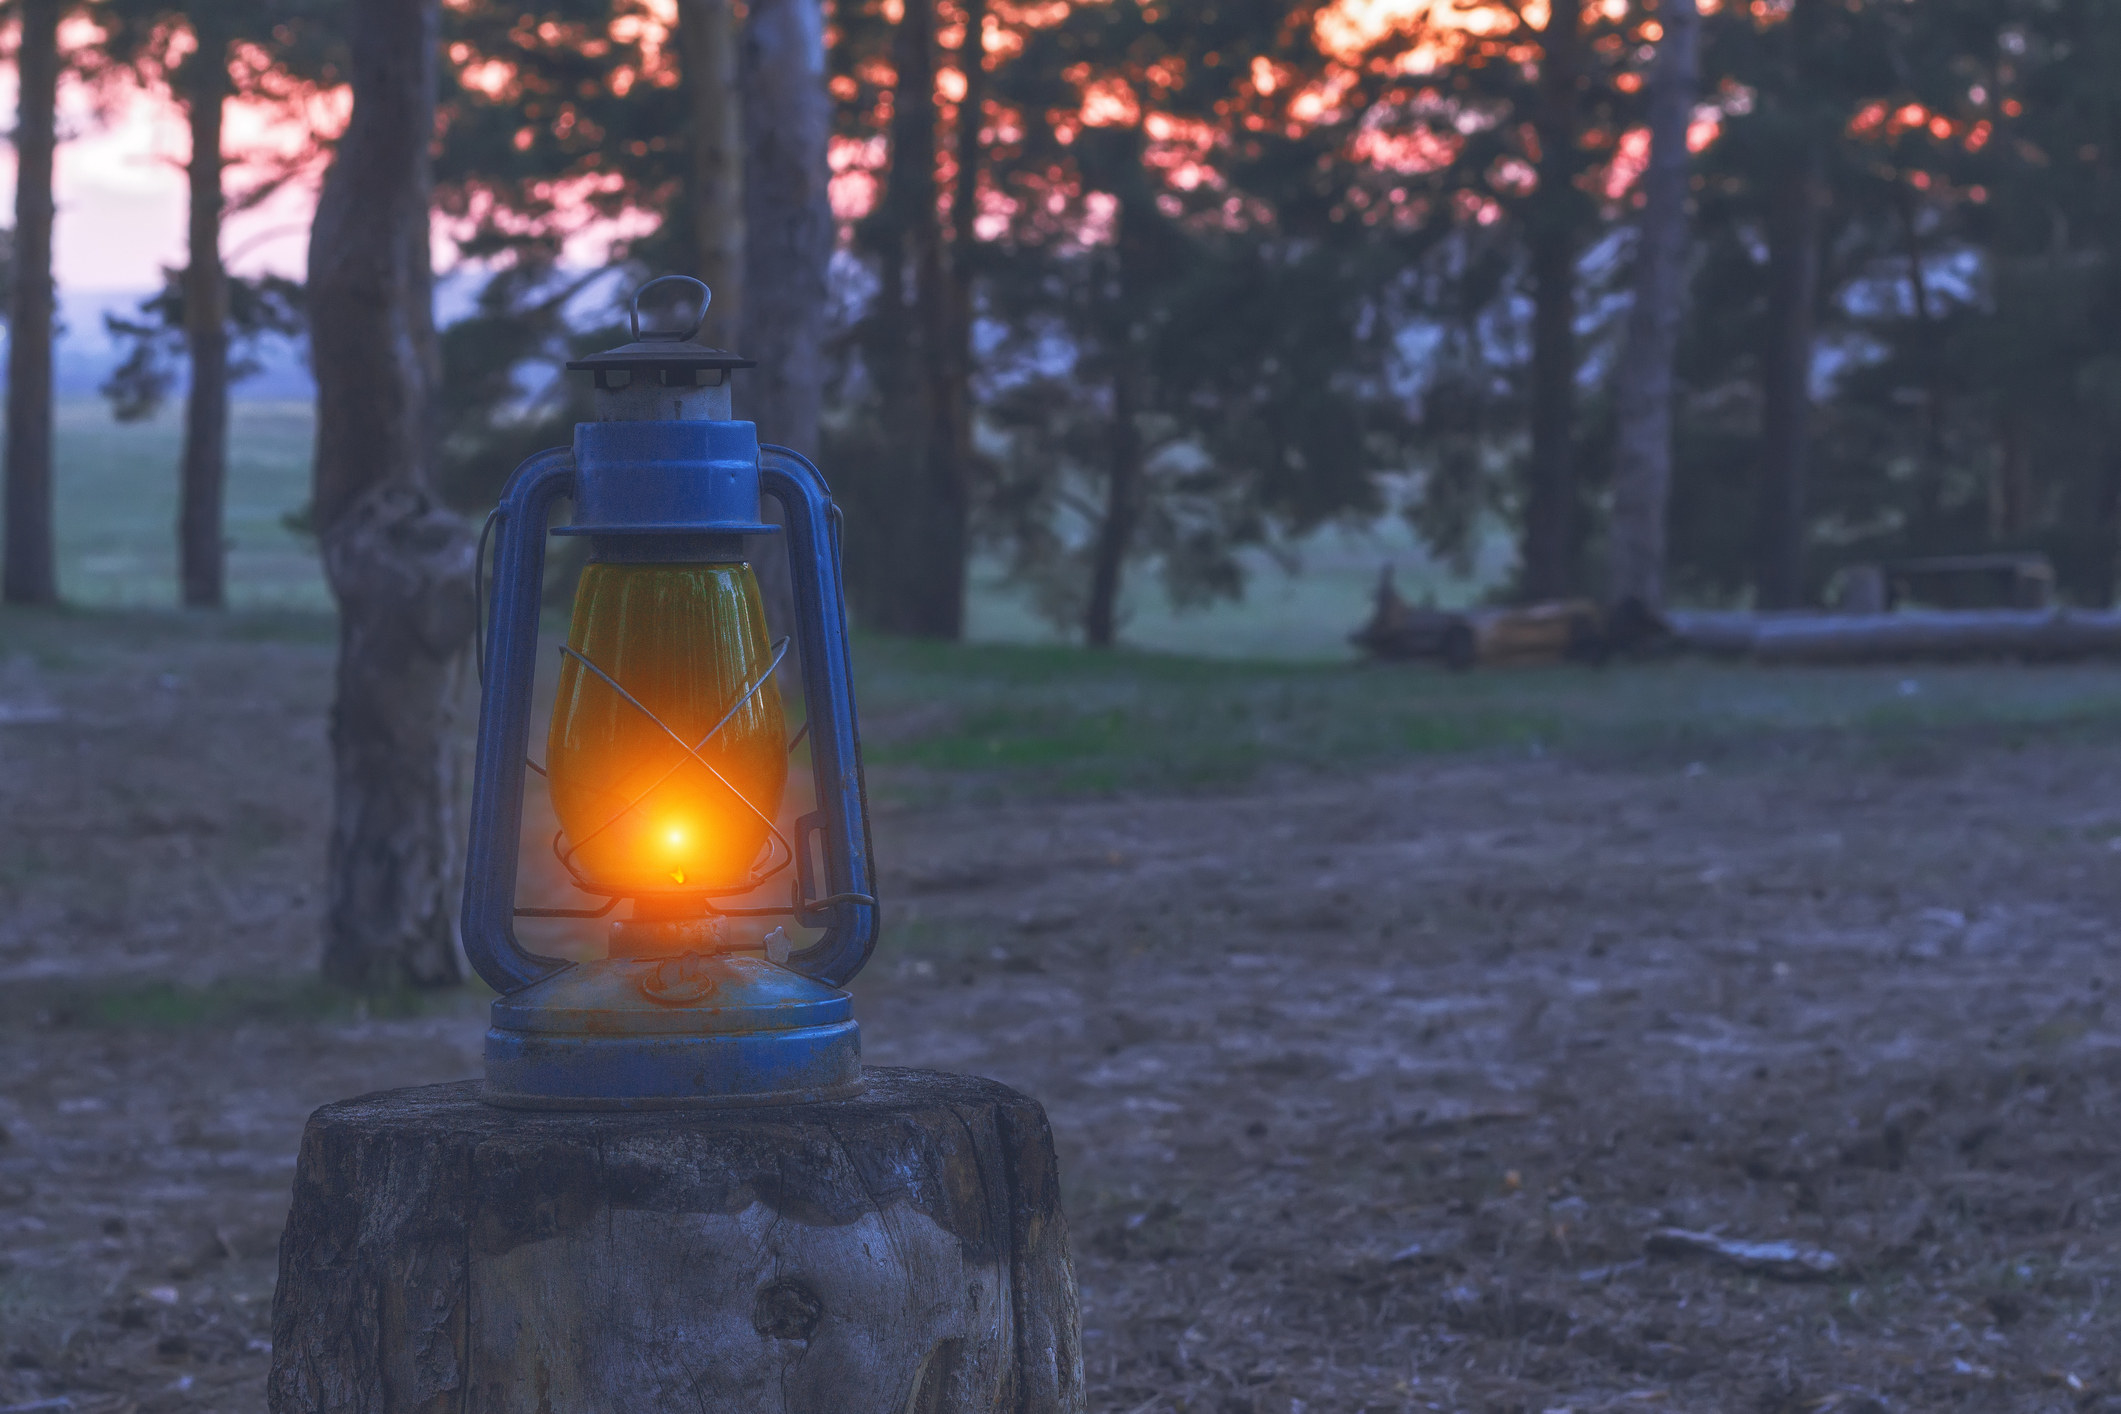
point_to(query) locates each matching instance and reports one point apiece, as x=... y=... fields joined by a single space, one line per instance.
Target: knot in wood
x=786 y=1310
x=679 y=980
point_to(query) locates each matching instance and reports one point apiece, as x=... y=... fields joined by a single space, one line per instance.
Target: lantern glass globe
x=653 y=799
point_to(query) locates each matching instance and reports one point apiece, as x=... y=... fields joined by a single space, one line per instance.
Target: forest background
x=1391 y=1020
x=1150 y=286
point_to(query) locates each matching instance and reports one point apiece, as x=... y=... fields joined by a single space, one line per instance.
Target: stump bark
x=900 y=1251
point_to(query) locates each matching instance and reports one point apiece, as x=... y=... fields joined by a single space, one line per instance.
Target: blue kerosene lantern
x=667 y=759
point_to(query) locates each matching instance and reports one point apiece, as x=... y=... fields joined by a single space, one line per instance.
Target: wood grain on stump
x=900 y=1252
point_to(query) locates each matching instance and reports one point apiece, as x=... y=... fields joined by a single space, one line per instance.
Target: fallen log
x=1401 y=632
x=1564 y=630
x=1713 y=633
x=2028 y=635
x=1580 y=631
x=1554 y=632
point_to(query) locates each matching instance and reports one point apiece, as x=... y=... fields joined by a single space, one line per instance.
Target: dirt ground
x=1372 y=1093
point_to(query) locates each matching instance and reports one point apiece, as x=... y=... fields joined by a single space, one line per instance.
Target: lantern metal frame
x=705 y=1028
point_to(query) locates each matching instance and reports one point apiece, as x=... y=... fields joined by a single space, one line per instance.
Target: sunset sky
x=121 y=189
x=121 y=195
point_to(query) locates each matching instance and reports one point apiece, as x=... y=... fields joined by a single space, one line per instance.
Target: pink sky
x=120 y=190
x=120 y=193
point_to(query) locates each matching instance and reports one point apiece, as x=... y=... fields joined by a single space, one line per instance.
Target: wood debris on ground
x=1784 y=1261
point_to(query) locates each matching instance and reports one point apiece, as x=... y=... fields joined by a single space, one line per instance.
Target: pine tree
x=31 y=573
x=205 y=56
x=1642 y=471
x=908 y=442
x=398 y=562
x=1221 y=263
x=1515 y=130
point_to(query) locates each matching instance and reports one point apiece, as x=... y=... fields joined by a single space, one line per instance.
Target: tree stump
x=901 y=1252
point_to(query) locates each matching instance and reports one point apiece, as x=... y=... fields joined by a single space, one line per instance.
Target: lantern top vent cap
x=654 y=350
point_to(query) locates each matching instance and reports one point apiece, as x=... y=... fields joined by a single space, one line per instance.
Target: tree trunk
x=1115 y=532
x=931 y=569
x=2106 y=559
x=397 y=562
x=201 y=544
x=949 y=316
x=715 y=189
x=2010 y=486
x=1793 y=289
x=32 y=573
x=890 y=351
x=920 y=524
x=900 y=1252
x=1550 y=533
x=971 y=153
x=1642 y=470
x=787 y=127
x=888 y=357
x=1948 y=635
x=957 y=363
x=1929 y=504
x=1123 y=476
x=935 y=571
x=789 y=233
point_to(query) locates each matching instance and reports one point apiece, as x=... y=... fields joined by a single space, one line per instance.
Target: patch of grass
x=948 y=720
x=1070 y=721
x=221 y=1003
x=71 y=636
x=1076 y=721
x=116 y=489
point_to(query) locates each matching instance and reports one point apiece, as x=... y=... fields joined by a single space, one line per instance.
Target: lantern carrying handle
x=665 y=335
x=509 y=664
x=847 y=911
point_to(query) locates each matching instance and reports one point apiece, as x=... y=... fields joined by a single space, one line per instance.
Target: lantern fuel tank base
x=695 y=1031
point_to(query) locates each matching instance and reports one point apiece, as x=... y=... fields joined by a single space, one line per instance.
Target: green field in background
x=117 y=507
x=976 y=721
x=956 y=719
x=1196 y=700
x=116 y=501
x=1300 y=612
